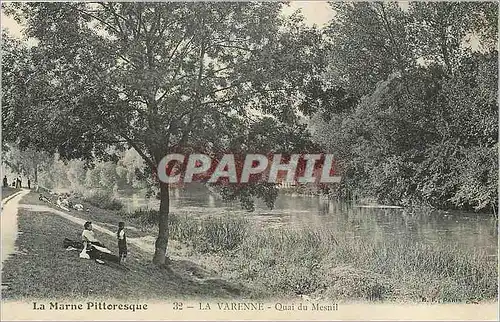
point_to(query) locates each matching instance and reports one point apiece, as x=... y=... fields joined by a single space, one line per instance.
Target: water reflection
x=466 y=230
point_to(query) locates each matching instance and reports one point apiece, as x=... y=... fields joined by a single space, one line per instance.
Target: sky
x=315 y=12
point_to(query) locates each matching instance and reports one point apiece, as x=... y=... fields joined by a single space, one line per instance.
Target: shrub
x=103 y=200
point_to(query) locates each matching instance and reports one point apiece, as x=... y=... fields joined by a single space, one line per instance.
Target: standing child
x=122 y=242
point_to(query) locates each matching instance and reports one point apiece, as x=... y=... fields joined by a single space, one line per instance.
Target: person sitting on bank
x=61 y=204
x=94 y=248
x=88 y=236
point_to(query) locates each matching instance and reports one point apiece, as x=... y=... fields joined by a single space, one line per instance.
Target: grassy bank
x=328 y=264
x=42 y=268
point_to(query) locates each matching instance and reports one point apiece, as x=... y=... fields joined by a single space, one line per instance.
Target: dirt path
x=146 y=244
x=10 y=206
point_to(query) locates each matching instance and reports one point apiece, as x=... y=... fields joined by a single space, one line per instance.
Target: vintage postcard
x=212 y=160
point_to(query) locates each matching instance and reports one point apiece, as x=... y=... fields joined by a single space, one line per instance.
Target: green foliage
x=186 y=78
x=103 y=199
x=411 y=120
x=107 y=174
x=142 y=217
x=477 y=178
x=27 y=161
x=368 y=42
x=76 y=173
x=245 y=193
x=78 y=176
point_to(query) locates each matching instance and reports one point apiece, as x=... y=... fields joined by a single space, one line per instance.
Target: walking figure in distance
x=122 y=242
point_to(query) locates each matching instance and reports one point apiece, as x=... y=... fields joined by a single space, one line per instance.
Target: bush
x=183 y=228
x=103 y=200
x=205 y=235
x=478 y=179
x=210 y=234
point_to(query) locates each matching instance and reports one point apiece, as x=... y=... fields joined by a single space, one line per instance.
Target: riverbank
x=327 y=264
x=322 y=264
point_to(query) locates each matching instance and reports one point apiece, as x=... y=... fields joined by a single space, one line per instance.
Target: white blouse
x=88 y=235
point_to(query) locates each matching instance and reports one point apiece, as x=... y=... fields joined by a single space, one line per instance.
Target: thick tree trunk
x=160 y=256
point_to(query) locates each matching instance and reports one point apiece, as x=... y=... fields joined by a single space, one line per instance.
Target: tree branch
x=96 y=18
x=115 y=17
x=148 y=160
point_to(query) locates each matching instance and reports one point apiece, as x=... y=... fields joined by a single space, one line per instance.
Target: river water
x=456 y=229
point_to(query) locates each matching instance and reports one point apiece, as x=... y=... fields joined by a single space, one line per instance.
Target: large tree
x=410 y=102
x=158 y=77
x=368 y=41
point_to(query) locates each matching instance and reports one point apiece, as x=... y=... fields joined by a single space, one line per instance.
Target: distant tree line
x=51 y=172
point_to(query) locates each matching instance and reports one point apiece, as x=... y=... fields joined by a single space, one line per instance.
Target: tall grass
x=206 y=235
x=144 y=218
x=329 y=264
x=216 y=234
x=319 y=264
